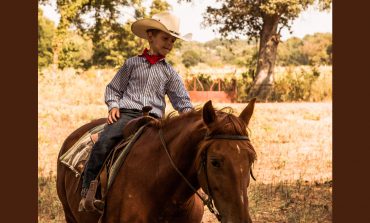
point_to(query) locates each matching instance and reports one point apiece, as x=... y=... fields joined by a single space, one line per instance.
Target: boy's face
x=161 y=43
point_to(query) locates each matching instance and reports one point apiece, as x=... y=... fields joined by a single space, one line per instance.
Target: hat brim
x=140 y=27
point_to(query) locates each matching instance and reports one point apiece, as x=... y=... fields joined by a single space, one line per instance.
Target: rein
x=209 y=201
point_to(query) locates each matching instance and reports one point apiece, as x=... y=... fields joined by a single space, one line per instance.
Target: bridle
x=209 y=201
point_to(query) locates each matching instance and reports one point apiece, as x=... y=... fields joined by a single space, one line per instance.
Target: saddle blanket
x=76 y=157
x=78 y=154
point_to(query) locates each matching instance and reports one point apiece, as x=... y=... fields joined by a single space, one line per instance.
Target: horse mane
x=232 y=125
x=227 y=123
x=174 y=117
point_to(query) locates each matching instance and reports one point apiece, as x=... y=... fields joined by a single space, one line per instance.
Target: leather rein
x=209 y=201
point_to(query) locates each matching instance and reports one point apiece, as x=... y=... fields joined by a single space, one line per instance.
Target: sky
x=309 y=21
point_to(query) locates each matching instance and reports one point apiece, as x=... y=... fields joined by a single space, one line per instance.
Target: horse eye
x=216 y=163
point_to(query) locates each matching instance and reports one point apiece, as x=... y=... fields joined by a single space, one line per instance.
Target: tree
x=46 y=29
x=190 y=58
x=76 y=52
x=290 y=53
x=263 y=20
x=101 y=21
x=314 y=48
x=311 y=50
x=159 y=6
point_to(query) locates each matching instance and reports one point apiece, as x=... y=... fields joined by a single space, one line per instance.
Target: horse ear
x=209 y=114
x=248 y=111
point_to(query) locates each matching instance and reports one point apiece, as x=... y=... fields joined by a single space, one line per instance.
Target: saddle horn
x=146 y=110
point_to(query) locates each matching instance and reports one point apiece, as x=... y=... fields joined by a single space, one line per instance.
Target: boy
x=142 y=81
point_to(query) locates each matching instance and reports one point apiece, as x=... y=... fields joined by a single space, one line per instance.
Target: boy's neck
x=151 y=58
x=151 y=52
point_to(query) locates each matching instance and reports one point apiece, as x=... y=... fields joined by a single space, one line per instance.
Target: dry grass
x=293 y=143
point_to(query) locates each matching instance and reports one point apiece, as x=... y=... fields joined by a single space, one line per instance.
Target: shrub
x=46 y=30
x=302 y=84
x=190 y=58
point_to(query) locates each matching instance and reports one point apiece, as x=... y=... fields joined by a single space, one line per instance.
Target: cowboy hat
x=164 y=21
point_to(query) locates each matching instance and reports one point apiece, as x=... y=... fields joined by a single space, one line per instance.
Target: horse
x=161 y=178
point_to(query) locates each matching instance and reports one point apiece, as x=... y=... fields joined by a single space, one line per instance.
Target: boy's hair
x=153 y=31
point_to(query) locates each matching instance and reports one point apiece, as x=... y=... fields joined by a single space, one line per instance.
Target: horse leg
x=62 y=194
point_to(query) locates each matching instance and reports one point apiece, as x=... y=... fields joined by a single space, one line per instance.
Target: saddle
x=76 y=157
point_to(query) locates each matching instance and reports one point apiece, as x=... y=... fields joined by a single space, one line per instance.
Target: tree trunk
x=269 y=40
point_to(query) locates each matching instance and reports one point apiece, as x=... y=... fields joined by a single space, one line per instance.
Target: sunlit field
x=293 y=142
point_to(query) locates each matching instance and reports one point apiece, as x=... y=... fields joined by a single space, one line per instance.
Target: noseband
x=209 y=201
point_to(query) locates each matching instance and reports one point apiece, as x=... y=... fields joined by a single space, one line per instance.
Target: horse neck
x=182 y=138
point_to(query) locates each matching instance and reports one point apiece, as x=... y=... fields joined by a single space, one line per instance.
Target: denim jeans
x=108 y=138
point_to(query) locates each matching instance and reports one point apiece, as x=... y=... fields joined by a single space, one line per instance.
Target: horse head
x=224 y=162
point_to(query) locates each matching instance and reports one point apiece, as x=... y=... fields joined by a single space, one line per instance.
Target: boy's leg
x=110 y=136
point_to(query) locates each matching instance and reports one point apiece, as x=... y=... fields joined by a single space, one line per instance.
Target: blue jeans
x=108 y=138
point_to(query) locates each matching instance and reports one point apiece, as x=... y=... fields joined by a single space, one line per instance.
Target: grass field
x=293 y=142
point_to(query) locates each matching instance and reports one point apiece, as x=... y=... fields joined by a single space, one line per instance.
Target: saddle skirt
x=76 y=157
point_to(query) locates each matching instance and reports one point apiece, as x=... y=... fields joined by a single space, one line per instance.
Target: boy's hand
x=113 y=115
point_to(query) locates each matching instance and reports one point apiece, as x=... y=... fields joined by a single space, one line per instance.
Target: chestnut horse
x=159 y=179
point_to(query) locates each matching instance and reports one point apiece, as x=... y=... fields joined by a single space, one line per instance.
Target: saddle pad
x=78 y=154
x=121 y=156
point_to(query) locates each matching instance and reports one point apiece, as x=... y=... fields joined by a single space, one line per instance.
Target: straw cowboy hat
x=164 y=21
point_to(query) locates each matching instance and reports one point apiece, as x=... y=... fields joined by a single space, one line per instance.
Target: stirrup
x=99 y=205
x=89 y=203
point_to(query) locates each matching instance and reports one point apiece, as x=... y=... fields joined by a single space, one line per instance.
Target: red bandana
x=151 y=58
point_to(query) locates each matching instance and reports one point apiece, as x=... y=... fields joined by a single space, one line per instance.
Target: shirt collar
x=152 y=59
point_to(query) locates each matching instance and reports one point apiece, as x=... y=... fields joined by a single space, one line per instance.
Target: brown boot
x=88 y=202
x=82 y=205
x=99 y=204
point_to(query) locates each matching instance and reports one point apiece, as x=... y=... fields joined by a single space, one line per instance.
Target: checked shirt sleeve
x=116 y=88
x=177 y=93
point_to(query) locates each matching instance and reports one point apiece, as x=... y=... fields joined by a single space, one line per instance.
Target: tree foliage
x=46 y=29
x=316 y=48
x=158 y=6
x=78 y=47
x=262 y=20
x=311 y=50
x=190 y=58
x=246 y=18
x=242 y=53
x=76 y=52
x=101 y=21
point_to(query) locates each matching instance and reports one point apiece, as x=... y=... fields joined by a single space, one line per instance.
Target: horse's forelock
x=205 y=144
x=227 y=124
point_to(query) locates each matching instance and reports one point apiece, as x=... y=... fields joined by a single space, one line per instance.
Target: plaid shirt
x=138 y=84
